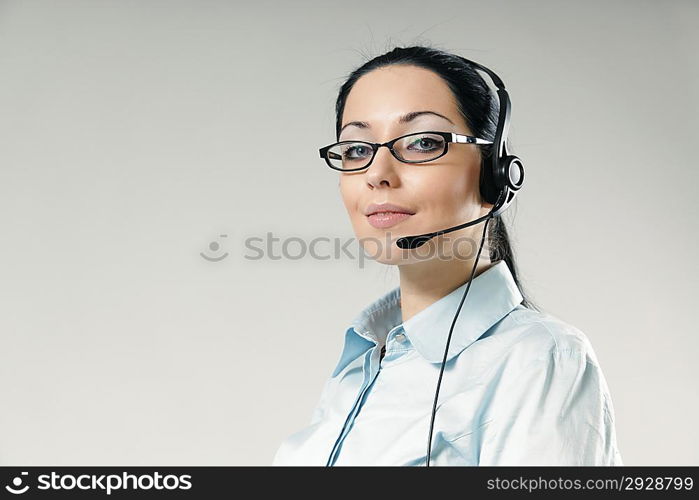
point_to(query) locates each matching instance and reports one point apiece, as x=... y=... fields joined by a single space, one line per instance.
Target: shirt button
x=400 y=337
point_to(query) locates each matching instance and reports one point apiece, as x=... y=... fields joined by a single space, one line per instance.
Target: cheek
x=441 y=190
x=349 y=193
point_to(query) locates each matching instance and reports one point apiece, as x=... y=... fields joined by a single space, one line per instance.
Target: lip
x=386 y=219
x=385 y=215
x=387 y=207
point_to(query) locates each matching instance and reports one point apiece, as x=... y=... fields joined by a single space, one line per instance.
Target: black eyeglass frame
x=448 y=137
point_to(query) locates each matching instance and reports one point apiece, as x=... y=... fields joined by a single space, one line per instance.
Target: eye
x=426 y=143
x=356 y=152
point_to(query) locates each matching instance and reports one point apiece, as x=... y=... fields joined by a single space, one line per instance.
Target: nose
x=383 y=171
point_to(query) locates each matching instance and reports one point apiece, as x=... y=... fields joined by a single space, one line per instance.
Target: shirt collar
x=492 y=295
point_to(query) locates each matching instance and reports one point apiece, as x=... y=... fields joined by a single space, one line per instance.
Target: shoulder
x=527 y=336
x=549 y=362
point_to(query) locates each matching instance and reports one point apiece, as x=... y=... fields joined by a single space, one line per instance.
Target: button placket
x=372 y=367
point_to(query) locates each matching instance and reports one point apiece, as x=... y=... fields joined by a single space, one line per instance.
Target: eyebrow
x=402 y=119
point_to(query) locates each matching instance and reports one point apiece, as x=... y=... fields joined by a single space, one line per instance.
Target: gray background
x=134 y=133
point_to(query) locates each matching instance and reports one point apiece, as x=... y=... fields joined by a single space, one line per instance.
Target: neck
x=423 y=283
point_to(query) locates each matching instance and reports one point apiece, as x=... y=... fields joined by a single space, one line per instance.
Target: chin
x=378 y=249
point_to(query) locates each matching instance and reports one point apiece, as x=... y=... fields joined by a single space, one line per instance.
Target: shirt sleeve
x=554 y=411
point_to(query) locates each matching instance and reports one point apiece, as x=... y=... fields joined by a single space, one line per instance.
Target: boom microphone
x=418 y=240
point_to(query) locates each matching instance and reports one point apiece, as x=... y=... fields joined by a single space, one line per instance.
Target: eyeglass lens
x=413 y=148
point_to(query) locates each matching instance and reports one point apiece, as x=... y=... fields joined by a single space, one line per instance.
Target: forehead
x=382 y=95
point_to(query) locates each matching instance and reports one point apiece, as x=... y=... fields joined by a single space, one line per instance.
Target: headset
x=502 y=176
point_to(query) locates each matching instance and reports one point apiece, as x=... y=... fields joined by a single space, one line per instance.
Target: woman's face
x=440 y=193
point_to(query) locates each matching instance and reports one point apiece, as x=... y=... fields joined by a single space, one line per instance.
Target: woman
x=520 y=386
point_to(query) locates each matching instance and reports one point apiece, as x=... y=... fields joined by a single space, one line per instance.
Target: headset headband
x=506 y=174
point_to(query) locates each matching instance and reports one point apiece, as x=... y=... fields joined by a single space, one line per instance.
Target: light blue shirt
x=520 y=387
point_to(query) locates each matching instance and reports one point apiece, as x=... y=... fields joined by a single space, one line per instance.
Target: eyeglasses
x=419 y=147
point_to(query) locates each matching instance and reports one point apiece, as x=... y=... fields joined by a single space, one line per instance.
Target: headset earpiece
x=515 y=172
